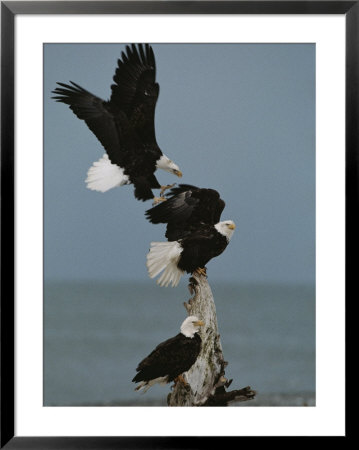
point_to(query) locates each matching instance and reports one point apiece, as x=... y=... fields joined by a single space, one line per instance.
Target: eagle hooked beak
x=178 y=173
x=199 y=323
x=231 y=226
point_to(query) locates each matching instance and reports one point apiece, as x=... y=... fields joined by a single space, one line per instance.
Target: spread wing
x=186 y=207
x=125 y=124
x=94 y=111
x=135 y=91
x=179 y=207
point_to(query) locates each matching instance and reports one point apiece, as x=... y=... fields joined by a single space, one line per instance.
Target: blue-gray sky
x=239 y=118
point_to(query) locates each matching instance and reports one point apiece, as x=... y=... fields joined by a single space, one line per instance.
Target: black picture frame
x=9 y=9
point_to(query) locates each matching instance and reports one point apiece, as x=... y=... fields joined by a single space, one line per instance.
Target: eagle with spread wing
x=193 y=230
x=125 y=125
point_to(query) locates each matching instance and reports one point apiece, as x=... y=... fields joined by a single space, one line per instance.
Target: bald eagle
x=124 y=125
x=170 y=359
x=186 y=208
x=188 y=254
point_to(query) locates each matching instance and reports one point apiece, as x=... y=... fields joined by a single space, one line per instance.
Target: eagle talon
x=157 y=200
x=180 y=379
x=164 y=188
x=201 y=271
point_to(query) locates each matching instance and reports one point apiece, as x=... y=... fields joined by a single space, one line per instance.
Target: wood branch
x=206 y=382
x=223 y=398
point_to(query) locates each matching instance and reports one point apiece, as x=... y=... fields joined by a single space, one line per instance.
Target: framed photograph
x=255 y=100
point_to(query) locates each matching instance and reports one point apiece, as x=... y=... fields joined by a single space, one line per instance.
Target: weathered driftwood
x=206 y=380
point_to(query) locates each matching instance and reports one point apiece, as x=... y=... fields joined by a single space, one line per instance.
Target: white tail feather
x=142 y=386
x=145 y=385
x=164 y=256
x=103 y=175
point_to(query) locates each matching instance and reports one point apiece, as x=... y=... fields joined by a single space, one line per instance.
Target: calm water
x=96 y=333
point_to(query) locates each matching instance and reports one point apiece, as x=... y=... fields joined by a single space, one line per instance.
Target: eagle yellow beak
x=231 y=226
x=199 y=323
x=178 y=173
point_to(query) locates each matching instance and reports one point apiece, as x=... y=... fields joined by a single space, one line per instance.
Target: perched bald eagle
x=186 y=208
x=188 y=254
x=124 y=125
x=170 y=359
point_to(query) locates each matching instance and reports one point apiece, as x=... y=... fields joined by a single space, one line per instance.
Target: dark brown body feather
x=200 y=247
x=170 y=358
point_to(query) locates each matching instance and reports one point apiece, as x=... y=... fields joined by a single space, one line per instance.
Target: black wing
x=125 y=124
x=135 y=91
x=179 y=206
x=94 y=111
x=172 y=357
x=186 y=207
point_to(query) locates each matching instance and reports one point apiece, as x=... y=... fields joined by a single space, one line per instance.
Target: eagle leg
x=157 y=200
x=180 y=379
x=164 y=188
x=201 y=271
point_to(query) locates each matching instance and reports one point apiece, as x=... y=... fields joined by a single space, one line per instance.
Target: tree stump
x=206 y=380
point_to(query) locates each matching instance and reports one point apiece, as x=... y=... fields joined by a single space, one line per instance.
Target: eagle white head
x=166 y=164
x=191 y=326
x=226 y=228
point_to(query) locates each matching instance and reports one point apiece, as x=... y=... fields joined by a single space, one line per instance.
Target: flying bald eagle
x=170 y=359
x=186 y=208
x=124 y=125
x=188 y=254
